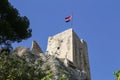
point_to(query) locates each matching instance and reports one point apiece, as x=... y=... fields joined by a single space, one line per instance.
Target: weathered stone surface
x=20 y=51
x=26 y=53
x=58 y=67
x=60 y=45
x=68 y=47
x=35 y=47
x=37 y=50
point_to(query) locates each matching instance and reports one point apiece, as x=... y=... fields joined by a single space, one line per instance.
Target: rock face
x=35 y=47
x=37 y=50
x=20 y=51
x=65 y=53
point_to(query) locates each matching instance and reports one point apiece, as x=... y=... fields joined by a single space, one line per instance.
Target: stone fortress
x=65 y=51
x=71 y=50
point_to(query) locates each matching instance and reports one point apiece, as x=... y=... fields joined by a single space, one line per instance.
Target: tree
x=117 y=74
x=13 y=27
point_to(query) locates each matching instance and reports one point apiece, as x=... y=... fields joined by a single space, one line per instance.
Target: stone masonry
x=71 y=50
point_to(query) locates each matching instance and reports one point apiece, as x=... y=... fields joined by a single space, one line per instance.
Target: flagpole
x=72 y=21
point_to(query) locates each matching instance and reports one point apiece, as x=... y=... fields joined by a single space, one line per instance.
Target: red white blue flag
x=68 y=18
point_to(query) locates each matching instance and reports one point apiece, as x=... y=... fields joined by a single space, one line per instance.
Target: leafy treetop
x=13 y=27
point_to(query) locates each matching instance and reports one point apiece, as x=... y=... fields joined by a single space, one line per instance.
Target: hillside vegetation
x=13 y=67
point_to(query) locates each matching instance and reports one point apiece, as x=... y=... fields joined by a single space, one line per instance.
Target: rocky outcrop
x=51 y=63
x=34 y=53
x=35 y=47
x=20 y=51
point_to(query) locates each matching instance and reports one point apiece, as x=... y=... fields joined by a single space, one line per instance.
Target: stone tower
x=69 y=48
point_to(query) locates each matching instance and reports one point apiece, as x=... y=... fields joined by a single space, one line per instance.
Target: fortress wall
x=67 y=45
x=61 y=44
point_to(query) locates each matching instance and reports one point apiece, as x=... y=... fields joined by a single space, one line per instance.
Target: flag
x=68 y=18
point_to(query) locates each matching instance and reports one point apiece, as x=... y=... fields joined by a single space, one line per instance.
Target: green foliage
x=13 y=27
x=48 y=76
x=117 y=75
x=62 y=75
x=13 y=67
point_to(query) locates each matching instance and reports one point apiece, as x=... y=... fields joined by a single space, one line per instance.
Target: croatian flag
x=68 y=18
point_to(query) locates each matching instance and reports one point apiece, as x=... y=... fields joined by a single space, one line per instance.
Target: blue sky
x=96 y=21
